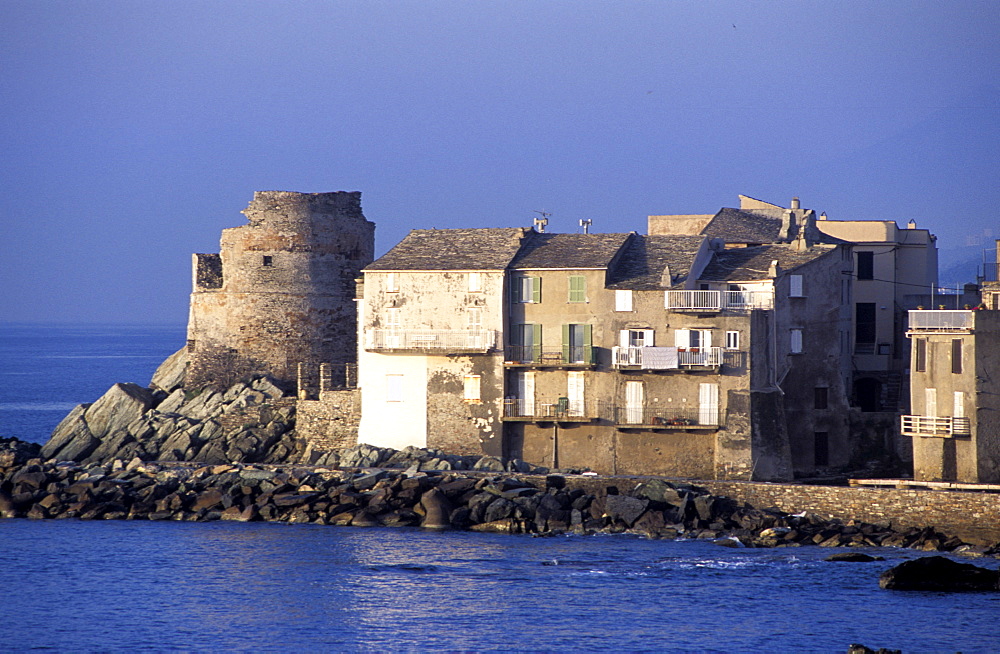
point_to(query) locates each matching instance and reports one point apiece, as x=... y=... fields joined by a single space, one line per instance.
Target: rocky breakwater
x=252 y=421
x=479 y=501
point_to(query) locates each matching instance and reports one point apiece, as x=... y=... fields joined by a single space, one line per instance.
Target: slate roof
x=453 y=249
x=738 y=226
x=641 y=265
x=568 y=251
x=741 y=264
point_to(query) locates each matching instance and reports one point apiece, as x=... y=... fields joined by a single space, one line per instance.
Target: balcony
x=961 y=321
x=663 y=418
x=939 y=426
x=560 y=409
x=440 y=341
x=666 y=358
x=716 y=301
x=533 y=356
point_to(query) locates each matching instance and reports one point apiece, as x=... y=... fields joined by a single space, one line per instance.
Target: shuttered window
x=623 y=300
x=577 y=288
x=956 y=356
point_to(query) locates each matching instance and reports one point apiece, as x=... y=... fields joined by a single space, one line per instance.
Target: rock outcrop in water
x=938 y=574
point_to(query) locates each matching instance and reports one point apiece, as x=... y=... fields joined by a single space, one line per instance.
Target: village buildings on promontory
x=758 y=342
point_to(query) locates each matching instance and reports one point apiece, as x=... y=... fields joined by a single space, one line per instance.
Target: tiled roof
x=737 y=226
x=741 y=264
x=453 y=249
x=568 y=250
x=642 y=263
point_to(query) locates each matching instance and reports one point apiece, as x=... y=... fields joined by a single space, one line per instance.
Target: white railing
x=447 y=340
x=665 y=358
x=941 y=320
x=719 y=300
x=935 y=426
x=746 y=300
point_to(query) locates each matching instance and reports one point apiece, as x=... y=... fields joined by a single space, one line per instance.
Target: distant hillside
x=961 y=265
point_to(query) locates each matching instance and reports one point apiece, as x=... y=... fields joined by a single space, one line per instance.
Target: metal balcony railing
x=943 y=426
x=583 y=355
x=662 y=417
x=432 y=340
x=941 y=320
x=718 y=300
x=665 y=358
x=561 y=408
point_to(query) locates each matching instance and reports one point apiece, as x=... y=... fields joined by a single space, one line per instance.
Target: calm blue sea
x=72 y=586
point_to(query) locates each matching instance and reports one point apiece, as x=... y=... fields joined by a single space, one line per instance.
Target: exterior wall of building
x=944 y=389
x=427 y=334
x=678 y=225
x=281 y=290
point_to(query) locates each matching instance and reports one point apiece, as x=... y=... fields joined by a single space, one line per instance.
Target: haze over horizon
x=133 y=133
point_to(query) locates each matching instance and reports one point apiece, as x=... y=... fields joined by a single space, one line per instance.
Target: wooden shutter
x=795 y=286
x=536 y=289
x=682 y=338
x=577 y=288
x=708 y=404
x=588 y=345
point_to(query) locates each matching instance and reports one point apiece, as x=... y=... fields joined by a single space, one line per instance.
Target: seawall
x=972 y=516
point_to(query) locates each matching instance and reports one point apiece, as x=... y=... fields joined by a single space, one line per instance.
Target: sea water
x=77 y=586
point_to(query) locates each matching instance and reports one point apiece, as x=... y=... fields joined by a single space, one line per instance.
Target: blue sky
x=133 y=132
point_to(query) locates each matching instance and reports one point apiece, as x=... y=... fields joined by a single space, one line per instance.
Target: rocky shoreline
x=486 y=501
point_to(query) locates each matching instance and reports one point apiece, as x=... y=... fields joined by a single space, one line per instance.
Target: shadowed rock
x=936 y=573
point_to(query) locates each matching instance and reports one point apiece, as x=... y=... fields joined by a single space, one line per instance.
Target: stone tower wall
x=281 y=291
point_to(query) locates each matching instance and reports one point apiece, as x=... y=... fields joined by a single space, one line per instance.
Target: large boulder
x=122 y=404
x=937 y=573
x=71 y=440
x=169 y=376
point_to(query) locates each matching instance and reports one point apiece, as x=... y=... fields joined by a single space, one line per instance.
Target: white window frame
x=732 y=340
x=475 y=319
x=636 y=338
x=391 y=283
x=623 y=300
x=693 y=338
x=958 y=409
x=472 y=389
x=708 y=404
x=475 y=282
x=795 y=286
x=394 y=387
x=795 y=341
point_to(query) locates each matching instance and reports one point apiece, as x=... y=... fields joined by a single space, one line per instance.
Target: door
x=708 y=404
x=525 y=393
x=633 y=402
x=574 y=391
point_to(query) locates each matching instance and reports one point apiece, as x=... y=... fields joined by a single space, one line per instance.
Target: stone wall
x=330 y=422
x=281 y=291
x=973 y=517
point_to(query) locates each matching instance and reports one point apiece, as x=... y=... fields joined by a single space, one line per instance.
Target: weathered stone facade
x=281 y=291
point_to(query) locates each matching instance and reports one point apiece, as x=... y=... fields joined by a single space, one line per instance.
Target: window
x=821 y=448
x=577 y=346
x=393 y=388
x=475 y=316
x=795 y=337
x=635 y=338
x=527 y=290
x=866 y=265
x=527 y=343
x=623 y=300
x=471 y=390
x=475 y=282
x=268 y=260
x=708 y=404
x=577 y=288
x=864 y=327
x=391 y=283
x=820 y=397
x=956 y=356
x=732 y=340
x=930 y=402
x=795 y=286
x=920 y=357
x=958 y=411
x=633 y=402
x=525 y=384
x=691 y=338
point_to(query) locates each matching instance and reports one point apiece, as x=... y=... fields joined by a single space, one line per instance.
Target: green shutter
x=565 y=343
x=577 y=288
x=536 y=289
x=588 y=343
x=536 y=342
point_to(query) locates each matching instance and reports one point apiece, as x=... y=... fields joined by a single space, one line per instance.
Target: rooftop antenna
x=541 y=222
x=586 y=223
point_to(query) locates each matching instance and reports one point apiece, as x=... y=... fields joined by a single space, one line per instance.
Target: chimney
x=912 y=224
x=822 y=216
x=795 y=202
x=788 y=226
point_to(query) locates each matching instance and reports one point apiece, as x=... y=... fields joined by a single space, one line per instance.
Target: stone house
x=621 y=353
x=954 y=391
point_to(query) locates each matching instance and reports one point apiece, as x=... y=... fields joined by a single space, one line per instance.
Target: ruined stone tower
x=281 y=290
